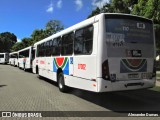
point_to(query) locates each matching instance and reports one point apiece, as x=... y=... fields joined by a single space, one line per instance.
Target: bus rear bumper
x=106 y=85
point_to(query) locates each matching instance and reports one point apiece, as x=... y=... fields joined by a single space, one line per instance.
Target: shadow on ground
x=137 y=100
x=2 y=86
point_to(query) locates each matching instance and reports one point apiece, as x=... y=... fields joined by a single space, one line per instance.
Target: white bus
x=108 y=52
x=13 y=58
x=25 y=58
x=4 y=58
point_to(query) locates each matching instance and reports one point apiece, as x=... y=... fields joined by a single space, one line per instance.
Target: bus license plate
x=133 y=76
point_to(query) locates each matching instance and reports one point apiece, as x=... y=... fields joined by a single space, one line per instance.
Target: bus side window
x=67 y=44
x=88 y=39
x=83 y=40
x=50 y=48
x=47 y=48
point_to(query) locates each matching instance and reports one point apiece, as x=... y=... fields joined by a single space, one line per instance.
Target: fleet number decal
x=82 y=66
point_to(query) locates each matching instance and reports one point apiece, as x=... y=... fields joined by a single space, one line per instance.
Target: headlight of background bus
x=146 y=75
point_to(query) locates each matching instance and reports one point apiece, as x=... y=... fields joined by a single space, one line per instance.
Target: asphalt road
x=23 y=91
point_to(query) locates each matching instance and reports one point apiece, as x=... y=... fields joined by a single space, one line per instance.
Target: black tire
x=61 y=84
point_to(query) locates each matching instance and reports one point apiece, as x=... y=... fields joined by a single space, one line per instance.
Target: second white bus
x=25 y=57
x=13 y=58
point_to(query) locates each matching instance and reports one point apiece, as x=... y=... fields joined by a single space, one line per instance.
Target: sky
x=22 y=17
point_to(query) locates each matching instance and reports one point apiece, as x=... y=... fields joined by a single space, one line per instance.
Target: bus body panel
x=47 y=68
x=106 y=86
x=13 y=59
x=116 y=63
x=85 y=67
x=81 y=83
x=4 y=58
x=24 y=61
x=34 y=61
x=129 y=60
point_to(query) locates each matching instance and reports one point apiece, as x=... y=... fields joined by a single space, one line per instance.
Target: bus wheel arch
x=61 y=82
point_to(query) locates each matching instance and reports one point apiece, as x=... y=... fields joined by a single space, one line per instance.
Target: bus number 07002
x=82 y=66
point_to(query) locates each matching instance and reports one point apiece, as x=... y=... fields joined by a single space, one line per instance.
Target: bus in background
x=25 y=58
x=34 y=62
x=13 y=58
x=4 y=58
x=108 y=52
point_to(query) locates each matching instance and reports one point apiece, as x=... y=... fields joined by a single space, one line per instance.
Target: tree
x=26 y=42
x=150 y=9
x=17 y=46
x=115 y=6
x=95 y=12
x=52 y=27
x=38 y=35
x=7 y=40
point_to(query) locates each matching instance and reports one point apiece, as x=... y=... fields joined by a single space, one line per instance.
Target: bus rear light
x=105 y=70
x=94 y=85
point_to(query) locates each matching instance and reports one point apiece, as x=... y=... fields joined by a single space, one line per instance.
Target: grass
x=158 y=75
x=156 y=88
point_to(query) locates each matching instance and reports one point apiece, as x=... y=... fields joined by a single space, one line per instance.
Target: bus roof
x=70 y=29
x=4 y=53
x=25 y=48
x=83 y=24
x=13 y=53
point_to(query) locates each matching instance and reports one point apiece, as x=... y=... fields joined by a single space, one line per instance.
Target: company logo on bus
x=61 y=62
x=133 y=65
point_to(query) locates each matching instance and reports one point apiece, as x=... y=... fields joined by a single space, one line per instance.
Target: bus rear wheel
x=61 y=84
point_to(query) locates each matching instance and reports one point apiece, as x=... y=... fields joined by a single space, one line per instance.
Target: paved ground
x=23 y=91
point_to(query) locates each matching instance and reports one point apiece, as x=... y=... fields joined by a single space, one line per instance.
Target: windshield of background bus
x=129 y=31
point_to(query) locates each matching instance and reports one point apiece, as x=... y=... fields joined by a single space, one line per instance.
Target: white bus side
x=25 y=58
x=100 y=54
x=4 y=58
x=13 y=58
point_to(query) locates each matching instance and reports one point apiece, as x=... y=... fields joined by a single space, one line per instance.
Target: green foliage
x=115 y=6
x=26 y=42
x=17 y=46
x=52 y=27
x=150 y=9
x=7 y=40
x=37 y=35
x=95 y=12
x=146 y=8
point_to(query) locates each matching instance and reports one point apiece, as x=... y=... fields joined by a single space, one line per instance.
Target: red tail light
x=105 y=70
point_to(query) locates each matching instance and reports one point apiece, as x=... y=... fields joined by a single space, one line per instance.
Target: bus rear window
x=129 y=29
x=2 y=56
